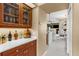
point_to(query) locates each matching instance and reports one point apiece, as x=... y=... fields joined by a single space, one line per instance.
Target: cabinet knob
x=17 y=50
x=26 y=50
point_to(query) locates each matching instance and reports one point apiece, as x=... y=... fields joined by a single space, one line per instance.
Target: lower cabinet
x=28 y=49
x=11 y=52
x=0 y=54
x=32 y=49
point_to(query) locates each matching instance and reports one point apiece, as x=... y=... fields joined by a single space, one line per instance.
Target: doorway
x=57 y=35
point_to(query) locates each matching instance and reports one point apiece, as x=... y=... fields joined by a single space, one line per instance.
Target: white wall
x=75 y=29
x=40 y=27
x=35 y=16
x=42 y=31
x=35 y=12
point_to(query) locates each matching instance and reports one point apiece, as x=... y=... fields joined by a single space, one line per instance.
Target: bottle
x=27 y=34
x=20 y=35
x=15 y=35
x=9 y=36
x=3 y=38
x=0 y=39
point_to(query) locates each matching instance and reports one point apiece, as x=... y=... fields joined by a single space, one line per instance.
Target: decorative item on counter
x=20 y=35
x=9 y=36
x=4 y=40
x=0 y=39
x=15 y=35
x=27 y=34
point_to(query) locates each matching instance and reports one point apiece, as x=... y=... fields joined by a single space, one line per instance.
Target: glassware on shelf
x=16 y=21
x=11 y=12
x=11 y=19
x=6 y=8
x=5 y=18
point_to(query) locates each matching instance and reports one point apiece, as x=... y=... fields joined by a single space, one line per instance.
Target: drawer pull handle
x=17 y=50
x=31 y=43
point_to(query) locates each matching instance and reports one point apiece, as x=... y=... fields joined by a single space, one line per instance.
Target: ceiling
x=33 y=5
x=53 y=7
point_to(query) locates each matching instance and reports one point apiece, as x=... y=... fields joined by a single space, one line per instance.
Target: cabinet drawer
x=24 y=53
x=28 y=49
x=22 y=47
x=11 y=52
x=32 y=43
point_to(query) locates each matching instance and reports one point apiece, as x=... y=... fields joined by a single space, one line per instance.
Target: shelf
x=10 y=23
x=10 y=15
x=12 y=5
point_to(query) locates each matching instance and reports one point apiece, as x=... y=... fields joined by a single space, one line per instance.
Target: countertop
x=14 y=43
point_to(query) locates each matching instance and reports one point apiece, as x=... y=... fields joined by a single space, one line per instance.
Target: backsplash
x=6 y=31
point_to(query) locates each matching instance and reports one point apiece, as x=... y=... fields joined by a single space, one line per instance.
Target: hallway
x=57 y=48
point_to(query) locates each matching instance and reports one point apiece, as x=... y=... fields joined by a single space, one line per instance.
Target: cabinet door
x=30 y=18
x=32 y=51
x=32 y=48
x=11 y=15
x=26 y=52
x=0 y=54
x=23 y=50
x=20 y=15
x=11 y=52
x=1 y=14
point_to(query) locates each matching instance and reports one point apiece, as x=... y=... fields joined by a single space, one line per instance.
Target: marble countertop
x=14 y=43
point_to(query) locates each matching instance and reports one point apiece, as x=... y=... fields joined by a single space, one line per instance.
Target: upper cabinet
x=15 y=15
x=26 y=19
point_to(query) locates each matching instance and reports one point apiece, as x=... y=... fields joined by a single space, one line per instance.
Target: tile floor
x=57 y=48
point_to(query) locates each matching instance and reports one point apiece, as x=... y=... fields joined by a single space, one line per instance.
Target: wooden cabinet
x=28 y=49
x=9 y=14
x=15 y=15
x=23 y=50
x=11 y=52
x=32 y=49
x=25 y=15
x=0 y=54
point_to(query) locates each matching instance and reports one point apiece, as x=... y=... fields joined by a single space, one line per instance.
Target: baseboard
x=44 y=53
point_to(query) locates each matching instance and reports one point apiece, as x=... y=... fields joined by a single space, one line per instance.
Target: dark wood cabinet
x=15 y=15
x=25 y=15
x=32 y=49
x=11 y=52
x=28 y=49
x=0 y=54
